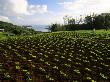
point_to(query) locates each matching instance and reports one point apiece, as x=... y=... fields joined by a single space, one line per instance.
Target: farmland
x=2 y=36
x=56 y=57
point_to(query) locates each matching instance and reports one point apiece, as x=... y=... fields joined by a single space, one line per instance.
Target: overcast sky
x=48 y=11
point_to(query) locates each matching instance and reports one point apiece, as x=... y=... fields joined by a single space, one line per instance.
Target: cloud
x=5 y=19
x=19 y=8
x=87 y=6
x=13 y=7
x=37 y=9
x=41 y=19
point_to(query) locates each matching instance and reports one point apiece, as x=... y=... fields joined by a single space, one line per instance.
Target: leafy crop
x=56 y=57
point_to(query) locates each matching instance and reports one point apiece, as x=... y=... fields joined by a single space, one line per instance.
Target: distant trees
x=89 y=21
x=101 y=21
x=106 y=18
x=68 y=20
x=54 y=27
x=15 y=30
x=94 y=21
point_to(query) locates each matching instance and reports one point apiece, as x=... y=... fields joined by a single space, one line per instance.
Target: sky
x=46 y=12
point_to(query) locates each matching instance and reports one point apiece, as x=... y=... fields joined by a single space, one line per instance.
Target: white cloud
x=37 y=9
x=13 y=7
x=87 y=6
x=42 y=19
x=5 y=19
x=19 y=8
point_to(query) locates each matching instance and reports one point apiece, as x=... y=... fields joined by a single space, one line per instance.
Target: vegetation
x=90 y=22
x=11 y=29
x=78 y=52
x=56 y=57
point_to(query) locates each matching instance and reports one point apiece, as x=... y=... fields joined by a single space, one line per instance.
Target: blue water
x=40 y=28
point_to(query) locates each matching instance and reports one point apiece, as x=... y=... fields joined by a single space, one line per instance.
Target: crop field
x=2 y=36
x=56 y=57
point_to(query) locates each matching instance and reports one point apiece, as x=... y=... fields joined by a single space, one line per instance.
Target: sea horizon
x=42 y=28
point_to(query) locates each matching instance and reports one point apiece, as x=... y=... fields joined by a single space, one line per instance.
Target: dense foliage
x=89 y=22
x=55 y=57
x=11 y=29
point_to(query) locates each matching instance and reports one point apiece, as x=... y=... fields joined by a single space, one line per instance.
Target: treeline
x=94 y=21
x=11 y=29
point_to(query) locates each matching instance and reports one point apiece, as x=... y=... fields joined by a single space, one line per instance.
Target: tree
x=106 y=17
x=101 y=21
x=90 y=21
x=15 y=29
x=54 y=27
x=71 y=21
x=68 y=20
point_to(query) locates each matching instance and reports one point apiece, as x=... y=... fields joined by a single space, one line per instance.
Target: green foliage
x=9 y=28
x=90 y=22
x=54 y=27
x=57 y=57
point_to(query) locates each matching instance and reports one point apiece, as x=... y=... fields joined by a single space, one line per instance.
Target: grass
x=2 y=35
x=88 y=32
x=96 y=31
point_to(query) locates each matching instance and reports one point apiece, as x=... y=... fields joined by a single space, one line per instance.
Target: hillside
x=15 y=29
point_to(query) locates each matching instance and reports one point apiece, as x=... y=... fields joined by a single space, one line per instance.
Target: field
x=2 y=36
x=56 y=57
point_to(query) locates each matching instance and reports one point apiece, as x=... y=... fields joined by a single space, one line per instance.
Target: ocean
x=40 y=28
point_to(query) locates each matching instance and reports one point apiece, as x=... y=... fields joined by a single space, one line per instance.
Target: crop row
x=54 y=57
